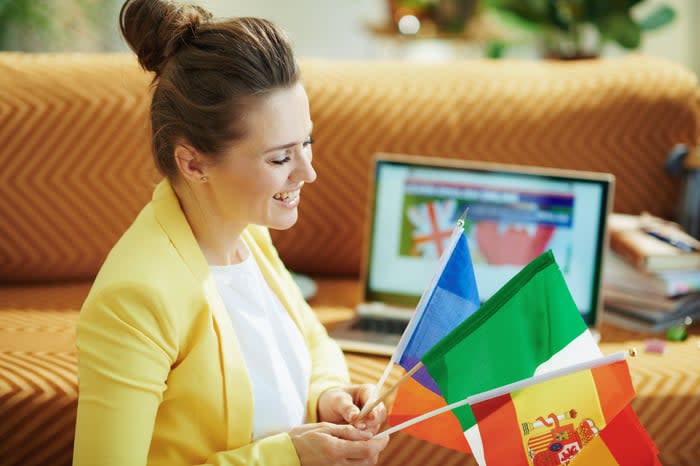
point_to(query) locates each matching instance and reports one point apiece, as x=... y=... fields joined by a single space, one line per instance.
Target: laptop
x=515 y=213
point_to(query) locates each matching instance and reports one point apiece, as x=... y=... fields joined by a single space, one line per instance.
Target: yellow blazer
x=161 y=377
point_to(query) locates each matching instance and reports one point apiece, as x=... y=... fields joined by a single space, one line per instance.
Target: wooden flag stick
x=366 y=409
x=423 y=417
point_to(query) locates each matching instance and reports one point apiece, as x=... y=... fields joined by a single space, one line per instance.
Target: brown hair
x=206 y=72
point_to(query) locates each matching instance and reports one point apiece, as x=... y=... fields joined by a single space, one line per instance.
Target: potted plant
x=29 y=25
x=572 y=29
x=445 y=16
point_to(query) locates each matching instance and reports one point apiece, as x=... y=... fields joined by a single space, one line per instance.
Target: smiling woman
x=257 y=179
x=195 y=345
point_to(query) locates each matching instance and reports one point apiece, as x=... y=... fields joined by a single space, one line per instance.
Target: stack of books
x=651 y=278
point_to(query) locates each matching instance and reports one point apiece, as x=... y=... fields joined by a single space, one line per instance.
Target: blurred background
x=427 y=30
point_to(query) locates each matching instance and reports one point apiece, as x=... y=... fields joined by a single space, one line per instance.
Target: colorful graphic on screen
x=504 y=226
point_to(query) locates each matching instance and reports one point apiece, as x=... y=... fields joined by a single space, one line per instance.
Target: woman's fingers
x=348 y=432
x=364 y=392
x=325 y=444
x=376 y=418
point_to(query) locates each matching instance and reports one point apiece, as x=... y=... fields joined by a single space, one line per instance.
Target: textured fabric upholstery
x=74 y=146
x=619 y=116
x=74 y=137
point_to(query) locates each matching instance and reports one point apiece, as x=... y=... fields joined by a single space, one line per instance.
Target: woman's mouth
x=288 y=198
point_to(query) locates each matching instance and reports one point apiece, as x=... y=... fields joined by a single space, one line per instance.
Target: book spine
x=626 y=250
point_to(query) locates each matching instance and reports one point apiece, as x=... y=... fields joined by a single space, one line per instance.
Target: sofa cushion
x=74 y=136
x=620 y=116
x=74 y=140
x=38 y=386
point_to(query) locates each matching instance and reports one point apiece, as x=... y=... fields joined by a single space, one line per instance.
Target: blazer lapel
x=238 y=393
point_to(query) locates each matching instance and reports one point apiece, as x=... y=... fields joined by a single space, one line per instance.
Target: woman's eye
x=282 y=161
x=309 y=141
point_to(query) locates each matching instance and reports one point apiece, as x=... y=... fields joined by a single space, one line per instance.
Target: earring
x=204 y=179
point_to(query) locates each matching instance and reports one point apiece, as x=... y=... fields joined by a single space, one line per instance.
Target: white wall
x=679 y=41
x=318 y=28
x=337 y=28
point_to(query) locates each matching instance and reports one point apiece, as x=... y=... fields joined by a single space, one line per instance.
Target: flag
x=549 y=420
x=450 y=298
x=412 y=400
x=624 y=442
x=530 y=326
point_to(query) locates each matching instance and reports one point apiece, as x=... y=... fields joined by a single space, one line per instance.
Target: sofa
x=76 y=169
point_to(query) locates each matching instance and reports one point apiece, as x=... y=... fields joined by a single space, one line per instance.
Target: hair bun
x=155 y=30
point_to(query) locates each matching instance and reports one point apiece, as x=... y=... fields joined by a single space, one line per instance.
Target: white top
x=273 y=348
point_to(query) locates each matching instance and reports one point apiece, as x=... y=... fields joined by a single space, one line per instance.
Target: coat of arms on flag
x=558 y=437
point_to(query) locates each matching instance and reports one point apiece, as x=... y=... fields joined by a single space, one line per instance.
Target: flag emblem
x=561 y=439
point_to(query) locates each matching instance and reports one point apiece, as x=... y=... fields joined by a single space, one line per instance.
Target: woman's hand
x=342 y=405
x=326 y=444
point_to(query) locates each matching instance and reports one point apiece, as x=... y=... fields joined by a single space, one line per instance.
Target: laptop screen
x=515 y=213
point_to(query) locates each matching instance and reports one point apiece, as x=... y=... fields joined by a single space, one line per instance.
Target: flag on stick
x=450 y=298
x=545 y=420
x=530 y=326
x=580 y=413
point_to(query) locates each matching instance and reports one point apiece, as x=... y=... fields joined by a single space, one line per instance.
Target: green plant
x=578 y=28
x=449 y=16
x=41 y=23
x=17 y=13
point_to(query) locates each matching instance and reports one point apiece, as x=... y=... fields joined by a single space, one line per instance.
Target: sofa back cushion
x=620 y=116
x=75 y=151
x=74 y=145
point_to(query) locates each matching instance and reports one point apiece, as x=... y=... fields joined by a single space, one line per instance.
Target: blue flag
x=451 y=297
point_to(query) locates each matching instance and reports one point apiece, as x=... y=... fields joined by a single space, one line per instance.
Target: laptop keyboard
x=383 y=325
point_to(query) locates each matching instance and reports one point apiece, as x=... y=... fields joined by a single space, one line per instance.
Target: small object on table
x=677 y=333
x=632 y=351
x=655 y=345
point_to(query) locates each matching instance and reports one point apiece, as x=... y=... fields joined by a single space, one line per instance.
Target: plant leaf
x=495 y=49
x=533 y=11
x=658 y=18
x=622 y=29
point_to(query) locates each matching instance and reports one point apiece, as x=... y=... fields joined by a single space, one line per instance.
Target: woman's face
x=259 y=179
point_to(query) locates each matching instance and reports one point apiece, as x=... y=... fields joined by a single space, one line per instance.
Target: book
x=621 y=275
x=652 y=244
x=635 y=324
x=648 y=312
x=650 y=303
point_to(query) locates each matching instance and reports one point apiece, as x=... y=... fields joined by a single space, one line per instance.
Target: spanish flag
x=550 y=419
x=624 y=442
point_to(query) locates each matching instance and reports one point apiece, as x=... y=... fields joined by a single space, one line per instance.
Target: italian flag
x=530 y=326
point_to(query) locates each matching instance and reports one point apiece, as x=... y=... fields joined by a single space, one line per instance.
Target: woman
x=194 y=344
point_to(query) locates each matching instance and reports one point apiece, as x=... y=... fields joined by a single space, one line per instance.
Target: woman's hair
x=206 y=72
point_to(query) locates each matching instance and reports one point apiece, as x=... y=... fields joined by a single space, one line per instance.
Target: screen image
x=511 y=219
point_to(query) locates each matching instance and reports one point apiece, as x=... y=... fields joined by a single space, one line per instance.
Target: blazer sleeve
x=126 y=347
x=125 y=351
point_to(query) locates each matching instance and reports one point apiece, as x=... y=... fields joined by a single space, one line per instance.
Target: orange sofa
x=76 y=168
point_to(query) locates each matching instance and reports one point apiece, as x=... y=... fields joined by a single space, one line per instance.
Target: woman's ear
x=190 y=163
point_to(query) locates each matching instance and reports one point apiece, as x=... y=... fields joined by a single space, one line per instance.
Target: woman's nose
x=304 y=171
